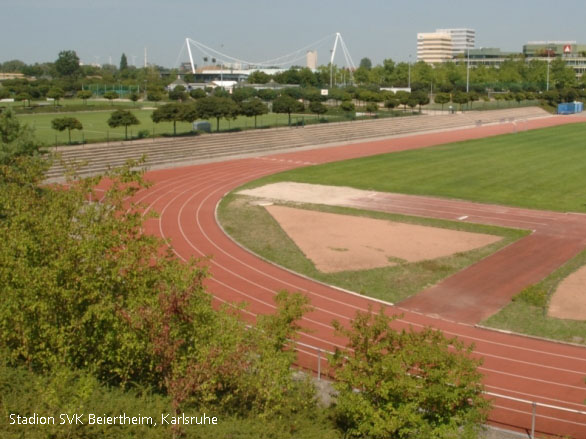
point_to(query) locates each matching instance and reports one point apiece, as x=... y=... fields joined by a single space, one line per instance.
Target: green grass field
x=95 y=127
x=541 y=169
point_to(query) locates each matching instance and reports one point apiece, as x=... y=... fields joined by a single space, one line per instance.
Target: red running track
x=520 y=367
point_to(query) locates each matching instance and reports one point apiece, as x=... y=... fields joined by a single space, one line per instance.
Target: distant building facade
x=571 y=52
x=463 y=39
x=434 y=48
x=311 y=59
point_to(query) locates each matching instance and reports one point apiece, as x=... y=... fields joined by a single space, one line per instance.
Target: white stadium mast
x=348 y=58
x=281 y=61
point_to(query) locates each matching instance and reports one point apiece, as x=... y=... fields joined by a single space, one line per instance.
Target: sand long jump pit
x=336 y=242
x=569 y=299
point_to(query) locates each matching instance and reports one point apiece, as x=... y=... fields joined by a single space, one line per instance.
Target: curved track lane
x=519 y=367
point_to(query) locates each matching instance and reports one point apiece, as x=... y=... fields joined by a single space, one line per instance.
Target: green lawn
x=541 y=169
x=95 y=127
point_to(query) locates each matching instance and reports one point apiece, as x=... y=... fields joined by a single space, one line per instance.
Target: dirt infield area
x=472 y=294
x=569 y=299
x=337 y=242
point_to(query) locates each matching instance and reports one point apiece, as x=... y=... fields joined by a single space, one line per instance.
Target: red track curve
x=520 y=367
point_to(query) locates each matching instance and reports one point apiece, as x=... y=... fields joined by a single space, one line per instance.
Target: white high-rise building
x=311 y=59
x=434 y=48
x=462 y=39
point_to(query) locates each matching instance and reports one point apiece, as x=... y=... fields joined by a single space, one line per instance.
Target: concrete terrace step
x=165 y=151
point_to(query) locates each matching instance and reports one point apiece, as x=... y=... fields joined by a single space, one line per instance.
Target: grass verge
x=257 y=230
x=527 y=313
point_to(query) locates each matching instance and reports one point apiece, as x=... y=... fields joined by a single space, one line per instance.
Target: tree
x=460 y=98
x=216 y=107
x=133 y=97
x=317 y=108
x=412 y=102
x=391 y=103
x=422 y=98
x=67 y=64
x=123 y=62
x=266 y=94
x=254 y=107
x=287 y=104
x=122 y=118
x=403 y=98
x=371 y=107
x=16 y=141
x=24 y=97
x=405 y=384
x=347 y=106
x=197 y=93
x=365 y=63
x=85 y=290
x=154 y=96
x=442 y=98
x=111 y=95
x=241 y=94
x=55 y=93
x=174 y=112
x=178 y=93
x=84 y=95
x=66 y=123
x=258 y=77
x=473 y=97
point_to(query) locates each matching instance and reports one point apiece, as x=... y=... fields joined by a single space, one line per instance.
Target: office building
x=434 y=48
x=462 y=40
x=311 y=59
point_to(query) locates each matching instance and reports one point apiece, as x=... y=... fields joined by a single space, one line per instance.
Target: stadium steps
x=165 y=151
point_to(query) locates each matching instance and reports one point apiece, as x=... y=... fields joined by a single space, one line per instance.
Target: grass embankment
x=256 y=229
x=540 y=169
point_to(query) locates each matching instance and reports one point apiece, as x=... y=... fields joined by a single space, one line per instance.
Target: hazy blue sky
x=256 y=30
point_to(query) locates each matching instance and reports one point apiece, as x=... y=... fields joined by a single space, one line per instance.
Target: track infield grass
x=541 y=169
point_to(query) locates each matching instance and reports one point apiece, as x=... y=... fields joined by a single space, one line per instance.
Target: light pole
x=467 y=69
x=409 y=74
x=547 y=78
x=331 y=70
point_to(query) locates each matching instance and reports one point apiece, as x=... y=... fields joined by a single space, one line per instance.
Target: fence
x=531 y=417
x=122 y=90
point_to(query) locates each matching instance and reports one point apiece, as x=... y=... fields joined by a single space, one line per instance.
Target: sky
x=256 y=30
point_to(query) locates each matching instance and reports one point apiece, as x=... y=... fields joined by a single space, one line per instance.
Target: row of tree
x=514 y=74
x=245 y=102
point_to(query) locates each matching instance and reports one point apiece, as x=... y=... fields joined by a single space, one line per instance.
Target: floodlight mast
x=190 y=56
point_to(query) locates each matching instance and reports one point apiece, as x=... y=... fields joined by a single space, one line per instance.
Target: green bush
x=143 y=134
x=534 y=295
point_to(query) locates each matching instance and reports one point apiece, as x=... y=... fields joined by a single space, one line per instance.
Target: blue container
x=570 y=108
